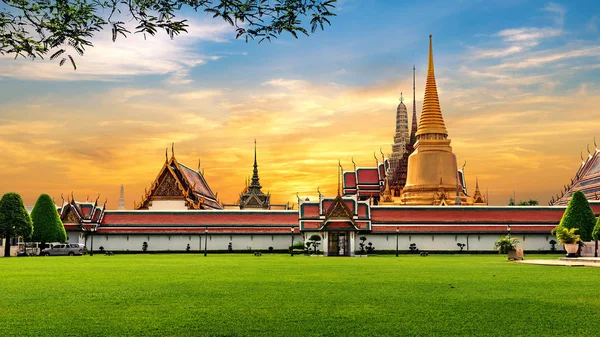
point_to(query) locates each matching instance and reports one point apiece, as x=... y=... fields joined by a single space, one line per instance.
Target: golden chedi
x=432 y=169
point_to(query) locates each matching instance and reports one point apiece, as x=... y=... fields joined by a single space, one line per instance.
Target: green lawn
x=279 y=295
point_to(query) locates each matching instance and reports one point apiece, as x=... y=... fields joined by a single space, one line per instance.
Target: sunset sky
x=518 y=83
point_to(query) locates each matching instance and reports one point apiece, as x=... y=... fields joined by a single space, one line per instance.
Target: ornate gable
x=70 y=215
x=167 y=186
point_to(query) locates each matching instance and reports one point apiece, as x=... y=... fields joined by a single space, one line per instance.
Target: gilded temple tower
x=432 y=168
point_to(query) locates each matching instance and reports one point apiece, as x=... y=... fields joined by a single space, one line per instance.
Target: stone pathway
x=567 y=262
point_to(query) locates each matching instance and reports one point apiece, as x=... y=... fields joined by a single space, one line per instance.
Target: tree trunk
x=7 y=247
x=596 y=250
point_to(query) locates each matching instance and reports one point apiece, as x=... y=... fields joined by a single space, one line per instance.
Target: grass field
x=279 y=295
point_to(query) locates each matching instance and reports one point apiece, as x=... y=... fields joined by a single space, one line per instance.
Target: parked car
x=65 y=249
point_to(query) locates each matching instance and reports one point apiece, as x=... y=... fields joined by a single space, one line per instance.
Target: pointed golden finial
x=588 y=149
x=353 y=163
x=339 y=174
x=401 y=99
x=431 y=121
x=173 y=149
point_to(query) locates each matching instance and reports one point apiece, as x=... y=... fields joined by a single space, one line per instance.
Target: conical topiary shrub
x=47 y=226
x=579 y=214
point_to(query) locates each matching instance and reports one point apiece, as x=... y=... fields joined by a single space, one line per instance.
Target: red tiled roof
x=349 y=180
x=382 y=171
x=194 y=230
x=367 y=176
x=202 y=218
x=310 y=210
x=86 y=209
x=362 y=210
x=464 y=229
x=194 y=178
x=466 y=214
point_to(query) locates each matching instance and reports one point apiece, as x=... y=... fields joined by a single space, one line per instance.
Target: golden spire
x=431 y=121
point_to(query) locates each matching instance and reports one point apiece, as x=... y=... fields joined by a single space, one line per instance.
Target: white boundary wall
x=424 y=242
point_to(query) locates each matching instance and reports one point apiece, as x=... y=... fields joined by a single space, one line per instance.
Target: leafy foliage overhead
x=34 y=28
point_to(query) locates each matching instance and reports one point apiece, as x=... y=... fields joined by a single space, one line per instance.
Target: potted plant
x=568 y=238
x=507 y=245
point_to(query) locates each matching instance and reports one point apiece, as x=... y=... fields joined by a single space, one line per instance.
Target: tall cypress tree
x=596 y=231
x=47 y=226
x=579 y=214
x=14 y=219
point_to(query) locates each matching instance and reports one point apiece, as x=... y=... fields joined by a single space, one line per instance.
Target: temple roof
x=586 y=180
x=178 y=181
x=431 y=121
x=81 y=213
x=253 y=196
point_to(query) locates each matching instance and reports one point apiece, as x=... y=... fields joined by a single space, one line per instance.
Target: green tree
x=315 y=240
x=596 y=236
x=14 y=219
x=34 y=28
x=579 y=214
x=530 y=202
x=47 y=226
x=596 y=231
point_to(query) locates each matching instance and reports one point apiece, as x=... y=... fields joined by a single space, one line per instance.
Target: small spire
x=339 y=175
x=173 y=149
x=255 y=185
x=414 y=125
x=166 y=154
x=198 y=164
x=401 y=99
x=353 y=163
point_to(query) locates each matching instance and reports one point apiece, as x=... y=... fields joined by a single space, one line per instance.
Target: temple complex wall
x=166 y=242
x=424 y=242
x=433 y=242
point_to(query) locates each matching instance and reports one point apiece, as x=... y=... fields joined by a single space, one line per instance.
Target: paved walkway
x=567 y=262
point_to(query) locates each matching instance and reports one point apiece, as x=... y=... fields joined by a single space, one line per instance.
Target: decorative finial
x=581 y=155
x=588 y=149
x=376 y=160
x=354 y=163
x=339 y=174
x=72 y=197
x=98 y=197
x=198 y=164
x=173 y=149
x=382 y=155
x=401 y=99
x=166 y=154
x=319 y=191
x=595 y=143
x=63 y=199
